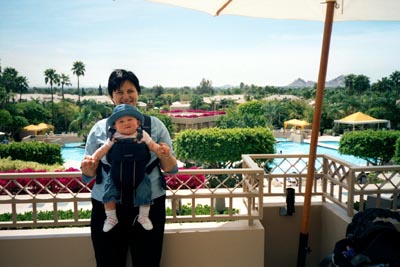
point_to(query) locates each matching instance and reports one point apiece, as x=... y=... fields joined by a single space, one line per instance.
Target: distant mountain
x=300 y=83
x=337 y=82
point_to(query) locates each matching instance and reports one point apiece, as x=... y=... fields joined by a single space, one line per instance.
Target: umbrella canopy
x=296 y=123
x=295 y=9
x=46 y=126
x=37 y=129
x=361 y=118
x=327 y=11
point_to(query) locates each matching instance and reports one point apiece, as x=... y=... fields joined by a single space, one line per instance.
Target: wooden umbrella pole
x=303 y=241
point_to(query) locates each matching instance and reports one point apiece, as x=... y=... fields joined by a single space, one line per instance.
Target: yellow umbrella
x=361 y=118
x=46 y=126
x=38 y=128
x=33 y=128
x=296 y=122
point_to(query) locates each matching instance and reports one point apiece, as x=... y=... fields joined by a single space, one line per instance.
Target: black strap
x=152 y=165
x=99 y=176
x=147 y=124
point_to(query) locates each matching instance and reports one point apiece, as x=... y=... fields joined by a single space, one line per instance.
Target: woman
x=145 y=246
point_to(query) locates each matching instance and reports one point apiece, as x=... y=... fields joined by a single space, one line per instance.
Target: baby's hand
x=164 y=150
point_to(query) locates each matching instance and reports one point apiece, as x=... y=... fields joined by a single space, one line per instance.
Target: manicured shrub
x=33 y=151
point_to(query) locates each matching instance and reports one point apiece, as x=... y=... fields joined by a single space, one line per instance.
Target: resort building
x=193 y=119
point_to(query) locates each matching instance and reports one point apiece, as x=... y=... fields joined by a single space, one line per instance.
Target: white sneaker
x=109 y=223
x=145 y=222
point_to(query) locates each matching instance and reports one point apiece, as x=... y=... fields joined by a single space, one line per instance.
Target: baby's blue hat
x=125 y=110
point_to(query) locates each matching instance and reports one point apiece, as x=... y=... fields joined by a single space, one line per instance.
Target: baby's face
x=127 y=125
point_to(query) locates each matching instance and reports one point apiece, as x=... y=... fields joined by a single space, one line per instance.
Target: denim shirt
x=98 y=136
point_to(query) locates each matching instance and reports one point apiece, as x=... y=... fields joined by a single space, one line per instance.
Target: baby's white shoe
x=145 y=222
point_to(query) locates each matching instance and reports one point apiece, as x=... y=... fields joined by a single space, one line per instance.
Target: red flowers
x=192 y=113
x=185 y=181
x=22 y=186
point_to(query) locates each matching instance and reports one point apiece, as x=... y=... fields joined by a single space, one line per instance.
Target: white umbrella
x=328 y=11
x=295 y=9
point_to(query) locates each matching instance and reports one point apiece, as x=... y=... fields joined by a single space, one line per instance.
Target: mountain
x=337 y=82
x=300 y=83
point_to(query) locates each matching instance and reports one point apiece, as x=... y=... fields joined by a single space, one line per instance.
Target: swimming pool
x=72 y=153
x=288 y=147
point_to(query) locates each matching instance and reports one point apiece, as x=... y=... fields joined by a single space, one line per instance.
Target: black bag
x=371 y=239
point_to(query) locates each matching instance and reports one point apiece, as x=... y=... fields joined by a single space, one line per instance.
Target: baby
x=126 y=120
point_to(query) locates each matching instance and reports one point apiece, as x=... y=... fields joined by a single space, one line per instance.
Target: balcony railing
x=242 y=191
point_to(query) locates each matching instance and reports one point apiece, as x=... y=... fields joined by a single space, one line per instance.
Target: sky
x=175 y=47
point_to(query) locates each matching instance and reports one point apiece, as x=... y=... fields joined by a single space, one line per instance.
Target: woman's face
x=126 y=94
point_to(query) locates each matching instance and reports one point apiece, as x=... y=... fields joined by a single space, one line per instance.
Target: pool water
x=72 y=153
x=288 y=147
x=330 y=143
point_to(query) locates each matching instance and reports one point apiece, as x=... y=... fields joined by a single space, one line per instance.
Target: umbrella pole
x=303 y=241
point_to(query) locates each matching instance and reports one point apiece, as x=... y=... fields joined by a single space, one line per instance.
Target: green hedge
x=378 y=147
x=40 y=152
x=396 y=157
x=215 y=146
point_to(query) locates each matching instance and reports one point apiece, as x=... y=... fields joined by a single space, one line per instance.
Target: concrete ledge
x=198 y=244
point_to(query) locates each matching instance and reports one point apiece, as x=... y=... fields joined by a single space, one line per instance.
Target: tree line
x=379 y=99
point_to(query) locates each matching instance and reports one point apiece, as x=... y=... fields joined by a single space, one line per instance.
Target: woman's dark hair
x=118 y=77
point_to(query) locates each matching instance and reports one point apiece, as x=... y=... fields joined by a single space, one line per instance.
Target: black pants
x=111 y=248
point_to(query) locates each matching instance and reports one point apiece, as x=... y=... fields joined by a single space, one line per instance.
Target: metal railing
x=54 y=192
x=242 y=191
x=349 y=186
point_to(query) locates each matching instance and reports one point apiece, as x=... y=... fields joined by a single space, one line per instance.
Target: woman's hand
x=89 y=166
x=164 y=151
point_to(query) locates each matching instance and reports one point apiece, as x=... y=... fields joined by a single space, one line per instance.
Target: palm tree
x=395 y=77
x=91 y=113
x=22 y=84
x=64 y=80
x=78 y=69
x=51 y=77
x=8 y=81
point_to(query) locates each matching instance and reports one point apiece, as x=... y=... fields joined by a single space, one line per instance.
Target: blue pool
x=72 y=153
x=288 y=147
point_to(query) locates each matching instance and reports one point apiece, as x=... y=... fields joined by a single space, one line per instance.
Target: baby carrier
x=371 y=240
x=128 y=159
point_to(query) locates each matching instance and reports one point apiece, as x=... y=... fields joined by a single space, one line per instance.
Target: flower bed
x=192 y=113
x=185 y=181
x=23 y=186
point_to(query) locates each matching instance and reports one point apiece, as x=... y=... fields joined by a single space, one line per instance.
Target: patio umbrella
x=296 y=123
x=328 y=11
x=33 y=128
x=361 y=118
